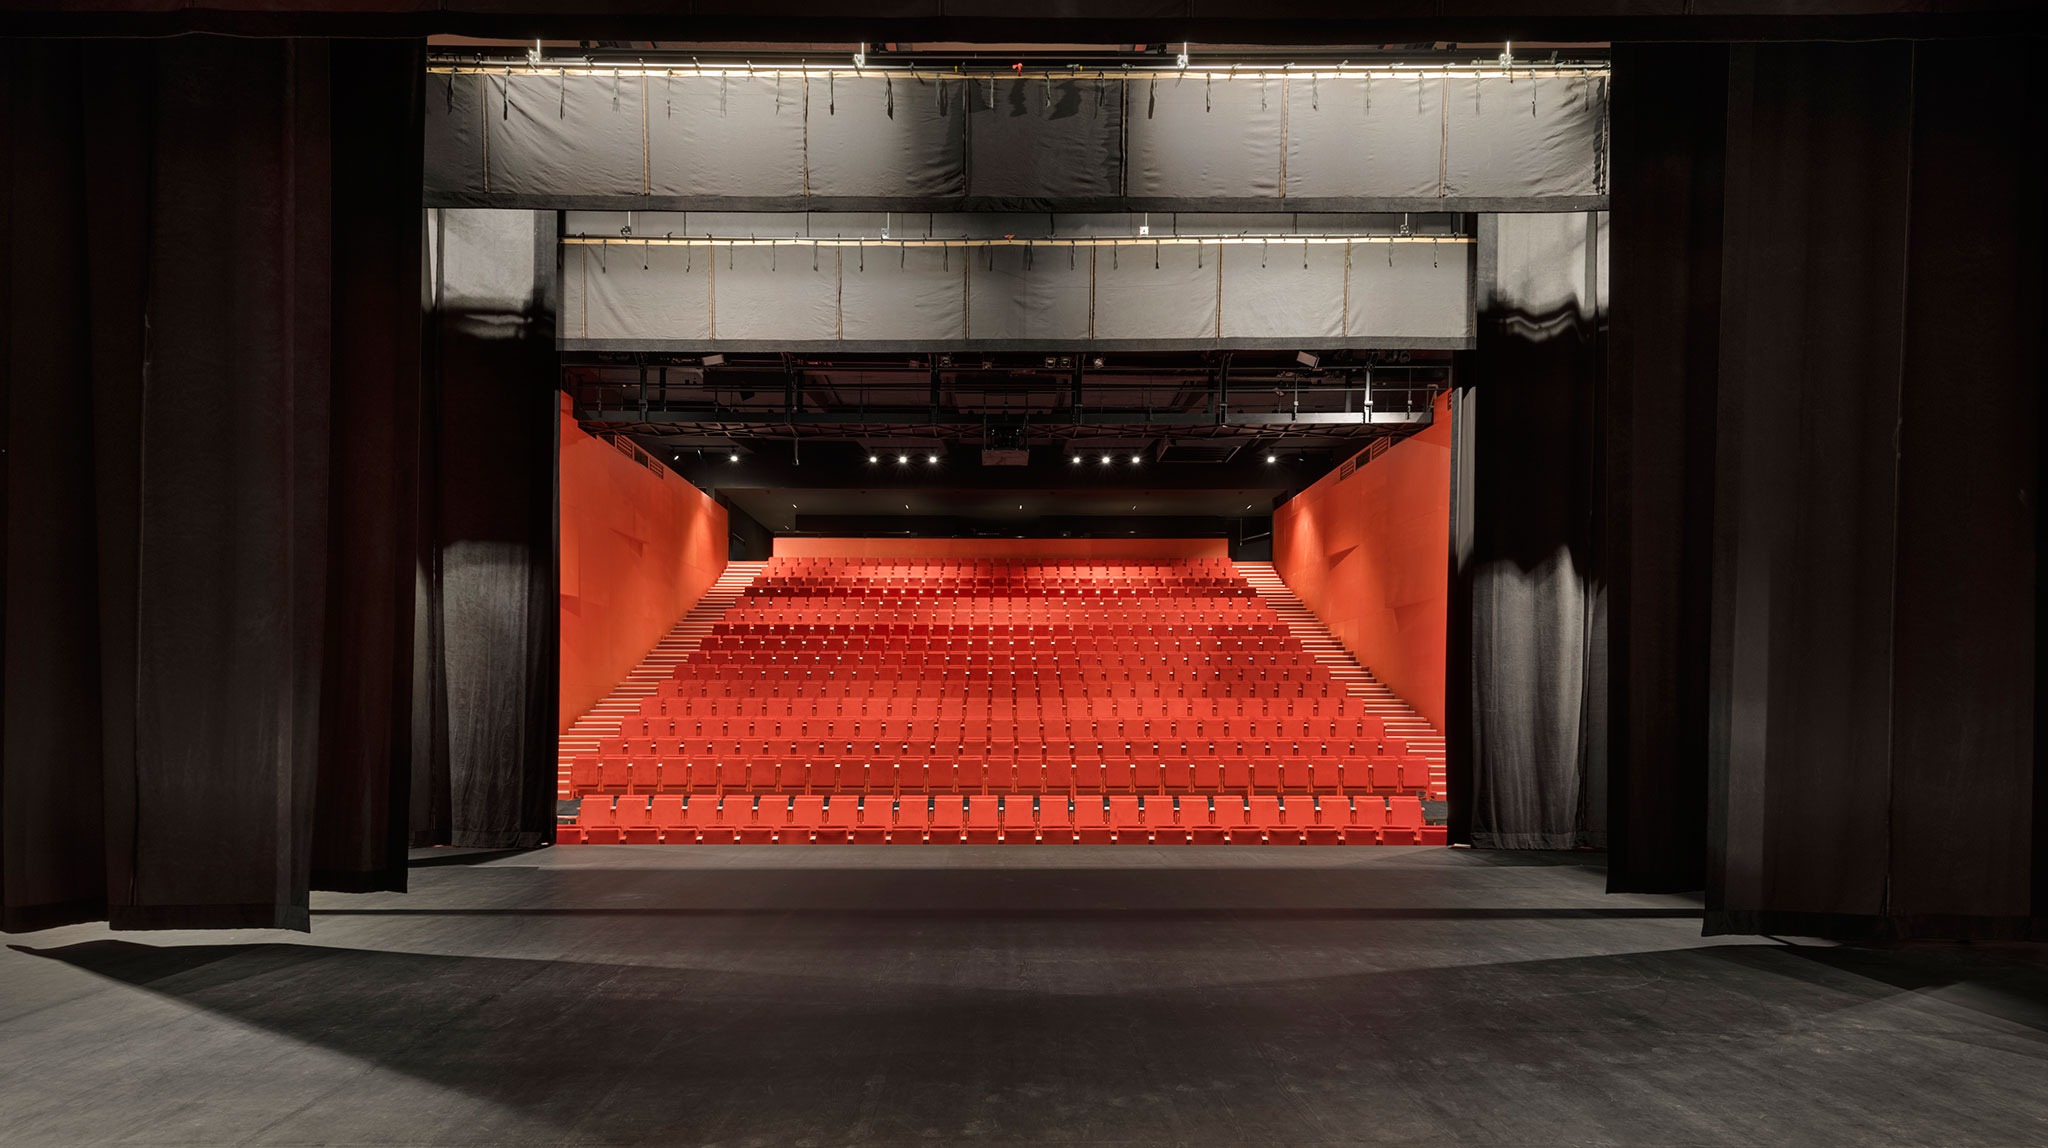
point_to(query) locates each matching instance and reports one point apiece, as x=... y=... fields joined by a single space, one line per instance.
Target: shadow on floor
x=1137 y=1032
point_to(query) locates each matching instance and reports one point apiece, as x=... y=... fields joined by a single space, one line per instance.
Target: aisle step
x=1422 y=737
x=603 y=720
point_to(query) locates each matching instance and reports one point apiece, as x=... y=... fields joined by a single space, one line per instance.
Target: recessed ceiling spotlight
x=873 y=458
x=932 y=458
x=1137 y=458
x=1076 y=460
x=1106 y=460
x=901 y=459
x=1272 y=458
x=733 y=457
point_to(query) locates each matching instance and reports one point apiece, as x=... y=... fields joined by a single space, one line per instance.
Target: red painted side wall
x=1370 y=554
x=1139 y=548
x=639 y=547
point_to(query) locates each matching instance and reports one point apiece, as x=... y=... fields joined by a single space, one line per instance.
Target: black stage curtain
x=1871 y=302
x=211 y=323
x=1527 y=727
x=489 y=601
x=1668 y=143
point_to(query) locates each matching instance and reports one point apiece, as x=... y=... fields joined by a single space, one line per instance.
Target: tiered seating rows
x=645 y=775
x=988 y=701
x=987 y=819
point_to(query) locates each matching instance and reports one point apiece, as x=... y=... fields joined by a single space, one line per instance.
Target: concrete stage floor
x=1014 y=995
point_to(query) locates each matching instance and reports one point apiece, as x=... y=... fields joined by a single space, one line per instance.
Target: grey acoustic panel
x=1028 y=294
x=884 y=136
x=1529 y=139
x=483 y=260
x=1380 y=137
x=454 y=137
x=726 y=136
x=1206 y=137
x=1045 y=139
x=1156 y=292
x=916 y=293
x=625 y=291
x=1268 y=292
x=1410 y=291
x=775 y=293
x=548 y=136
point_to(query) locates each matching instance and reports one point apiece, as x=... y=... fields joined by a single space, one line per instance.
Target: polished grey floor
x=1005 y=995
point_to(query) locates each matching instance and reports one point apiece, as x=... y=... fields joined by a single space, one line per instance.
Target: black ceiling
x=1046 y=442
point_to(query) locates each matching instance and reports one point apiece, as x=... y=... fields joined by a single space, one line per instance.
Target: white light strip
x=1052 y=245
x=1492 y=71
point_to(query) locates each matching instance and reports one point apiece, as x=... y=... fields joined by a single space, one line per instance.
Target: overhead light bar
x=1358 y=239
x=672 y=70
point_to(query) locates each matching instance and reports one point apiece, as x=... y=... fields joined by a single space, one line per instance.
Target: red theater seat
x=1127 y=820
x=666 y=815
x=1404 y=820
x=949 y=824
x=630 y=815
x=912 y=821
x=1161 y=822
x=1231 y=820
x=1325 y=824
x=842 y=813
x=594 y=822
x=806 y=815
x=1019 y=827
x=1263 y=818
x=877 y=817
x=1055 y=819
x=771 y=818
x=1091 y=820
x=984 y=826
x=1368 y=817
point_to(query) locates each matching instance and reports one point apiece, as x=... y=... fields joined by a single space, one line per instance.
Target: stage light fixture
x=733 y=457
x=1106 y=460
x=932 y=458
x=874 y=458
x=1137 y=458
x=1076 y=460
x=1272 y=458
x=1307 y=360
x=901 y=459
x=714 y=360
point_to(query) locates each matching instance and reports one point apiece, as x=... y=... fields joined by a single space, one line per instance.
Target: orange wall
x=1002 y=548
x=639 y=547
x=1370 y=554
